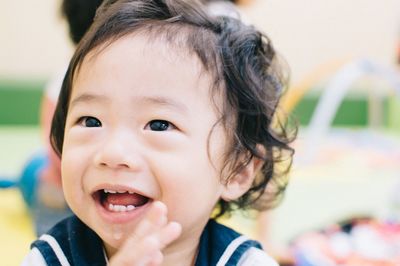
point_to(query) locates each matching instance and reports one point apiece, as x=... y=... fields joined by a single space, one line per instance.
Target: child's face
x=139 y=121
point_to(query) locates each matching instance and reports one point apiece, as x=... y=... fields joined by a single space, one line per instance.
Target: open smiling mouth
x=121 y=201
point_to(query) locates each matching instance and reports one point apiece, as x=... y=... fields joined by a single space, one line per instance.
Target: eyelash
x=83 y=120
x=165 y=125
x=154 y=125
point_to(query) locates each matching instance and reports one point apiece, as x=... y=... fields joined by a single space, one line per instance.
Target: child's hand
x=145 y=245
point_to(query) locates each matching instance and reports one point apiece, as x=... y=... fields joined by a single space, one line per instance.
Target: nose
x=117 y=152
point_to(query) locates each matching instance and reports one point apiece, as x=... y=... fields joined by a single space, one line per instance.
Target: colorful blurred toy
x=358 y=241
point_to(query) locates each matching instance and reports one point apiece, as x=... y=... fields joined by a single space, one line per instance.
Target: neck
x=185 y=256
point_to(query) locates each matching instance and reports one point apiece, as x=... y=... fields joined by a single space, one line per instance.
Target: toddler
x=165 y=119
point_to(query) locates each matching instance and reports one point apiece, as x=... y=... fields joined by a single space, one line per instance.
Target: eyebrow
x=86 y=97
x=147 y=100
x=164 y=101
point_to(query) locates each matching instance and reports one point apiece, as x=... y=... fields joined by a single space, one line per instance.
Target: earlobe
x=240 y=183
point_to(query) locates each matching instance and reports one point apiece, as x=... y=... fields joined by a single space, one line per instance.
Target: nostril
x=120 y=165
x=114 y=165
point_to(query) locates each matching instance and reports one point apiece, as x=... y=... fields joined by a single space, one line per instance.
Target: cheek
x=74 y=161
x=166 y=142
x=188 y=184
x=70 y=177
x=78 y=148
x=77 y=136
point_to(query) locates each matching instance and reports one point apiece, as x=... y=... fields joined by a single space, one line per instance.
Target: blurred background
x=345 y=92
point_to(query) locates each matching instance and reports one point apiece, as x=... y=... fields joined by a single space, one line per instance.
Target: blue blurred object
x=4 y=183
x=28 y=181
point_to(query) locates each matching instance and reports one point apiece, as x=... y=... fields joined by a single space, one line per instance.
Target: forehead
x=139 y=44
x=135 y=64
x=172 y=40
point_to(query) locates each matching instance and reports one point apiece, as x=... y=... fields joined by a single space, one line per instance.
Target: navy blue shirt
x=82 y=246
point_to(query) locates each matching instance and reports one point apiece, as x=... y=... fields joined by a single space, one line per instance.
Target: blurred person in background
x=50 y=206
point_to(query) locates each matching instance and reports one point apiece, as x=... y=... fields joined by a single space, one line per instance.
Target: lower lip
x=121 y=217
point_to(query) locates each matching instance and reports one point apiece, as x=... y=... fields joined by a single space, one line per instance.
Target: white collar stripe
x=230 y=249
x=56 y=248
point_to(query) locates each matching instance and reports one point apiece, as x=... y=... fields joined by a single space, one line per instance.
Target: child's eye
x=89 y=121
x=160 y=125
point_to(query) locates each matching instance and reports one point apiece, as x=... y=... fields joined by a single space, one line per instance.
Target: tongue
x=126 y=199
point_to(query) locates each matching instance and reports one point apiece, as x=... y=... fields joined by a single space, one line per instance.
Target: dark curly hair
x=244 y=66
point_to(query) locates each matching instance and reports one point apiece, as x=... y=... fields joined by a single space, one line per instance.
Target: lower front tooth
x=122 y=208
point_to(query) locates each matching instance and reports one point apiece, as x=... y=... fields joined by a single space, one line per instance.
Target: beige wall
x=308 y=33
x=313 y=32
x=33 y=38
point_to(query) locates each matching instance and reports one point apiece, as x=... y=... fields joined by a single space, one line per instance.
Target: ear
x=241 y=182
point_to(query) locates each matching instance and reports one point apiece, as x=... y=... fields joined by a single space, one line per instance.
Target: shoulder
x=255 y=257
x=53 y=246
x=70 y=242
x=220 y=245
x=34 y=258
x=65 y=229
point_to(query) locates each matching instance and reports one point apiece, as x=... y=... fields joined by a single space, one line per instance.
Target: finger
x=169 y=233
x=156 y=259
x=138 y=254
x=158 y=213
x=154 y=219
x=147 y=251
x=144 y=246
x=158 y=241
